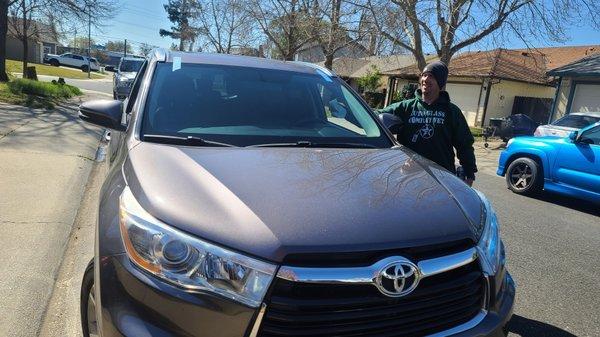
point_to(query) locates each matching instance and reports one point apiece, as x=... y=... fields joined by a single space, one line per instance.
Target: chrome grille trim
x=367 y=275
x=258 y=321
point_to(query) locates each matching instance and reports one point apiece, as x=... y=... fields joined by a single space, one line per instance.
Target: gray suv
x=253 y=197
x=124 y=76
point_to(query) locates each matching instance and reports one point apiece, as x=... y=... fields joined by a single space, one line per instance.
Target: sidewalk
x=45 y=160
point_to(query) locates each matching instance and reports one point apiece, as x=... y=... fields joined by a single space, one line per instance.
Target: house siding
x=14 y=50
x=565 y=91
x=503 y=94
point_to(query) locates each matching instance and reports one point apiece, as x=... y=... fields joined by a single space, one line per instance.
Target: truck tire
x=524 y=176
x=89 y=324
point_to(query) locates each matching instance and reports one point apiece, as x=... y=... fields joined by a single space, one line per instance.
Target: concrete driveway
x=45 y=160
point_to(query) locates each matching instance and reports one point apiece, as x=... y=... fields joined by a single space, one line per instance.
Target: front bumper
x=498 y=315
x=121 y=92
x=502 y=160
x=135 y=304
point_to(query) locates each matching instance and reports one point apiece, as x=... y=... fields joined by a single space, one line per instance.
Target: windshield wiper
x=305 y=143
x=189 y=140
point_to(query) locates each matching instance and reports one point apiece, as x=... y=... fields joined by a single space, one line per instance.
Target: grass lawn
x=13 y=66
x=36 y=94
x=476 y=132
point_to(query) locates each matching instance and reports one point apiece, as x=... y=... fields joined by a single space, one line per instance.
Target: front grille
x=357 y=259
x=439 y=303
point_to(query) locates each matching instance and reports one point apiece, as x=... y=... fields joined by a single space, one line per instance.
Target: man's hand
x=469 y=181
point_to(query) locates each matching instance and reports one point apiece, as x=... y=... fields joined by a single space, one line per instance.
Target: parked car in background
x=254 y=197
x=72 y=60
x=568 y=165
x=564 y=126
x=125 y=75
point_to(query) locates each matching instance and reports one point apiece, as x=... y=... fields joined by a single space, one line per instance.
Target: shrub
x=44 y=89
x=370 y=82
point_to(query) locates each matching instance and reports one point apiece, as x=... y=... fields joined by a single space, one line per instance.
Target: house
x=500 y=82
x=312 y=52
x=44 y=39
x=578 y=87
x=351 y=69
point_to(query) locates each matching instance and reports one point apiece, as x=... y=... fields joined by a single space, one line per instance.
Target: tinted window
x=592 y=135
x=130 y=65
x=247 y=106
x=576 y=121
x=77 y=57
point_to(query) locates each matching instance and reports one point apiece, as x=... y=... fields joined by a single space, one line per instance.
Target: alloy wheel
x=92 y=323
x=521 y=176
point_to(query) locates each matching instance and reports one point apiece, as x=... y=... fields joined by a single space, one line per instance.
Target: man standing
x=433 y=127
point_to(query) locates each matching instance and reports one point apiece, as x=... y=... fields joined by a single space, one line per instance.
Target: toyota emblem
x=398 y=278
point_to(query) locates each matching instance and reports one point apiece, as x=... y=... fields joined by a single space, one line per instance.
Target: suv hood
x=271 y=202
x=130 y=75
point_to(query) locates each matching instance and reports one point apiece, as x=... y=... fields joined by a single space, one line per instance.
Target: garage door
x=466 y=97
x=586 y=98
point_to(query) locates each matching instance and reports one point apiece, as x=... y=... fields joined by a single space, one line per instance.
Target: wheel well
x=533 y=157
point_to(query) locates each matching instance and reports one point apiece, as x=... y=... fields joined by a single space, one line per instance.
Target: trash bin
x=496 y=122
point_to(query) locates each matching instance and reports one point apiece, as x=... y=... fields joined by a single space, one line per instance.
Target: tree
x=182 y=13
x=286 y=24
x=70 y=11
x=81 y=42
x=4 y=5
x=340 y=27
x=145 y=49
x=224 y=25
x=452 y=25
x=118 y=46
x=24 y=26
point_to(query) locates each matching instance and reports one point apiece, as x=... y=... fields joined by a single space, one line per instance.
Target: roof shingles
x=526 y=65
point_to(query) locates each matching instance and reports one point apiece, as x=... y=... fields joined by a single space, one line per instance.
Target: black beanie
x=439 y=71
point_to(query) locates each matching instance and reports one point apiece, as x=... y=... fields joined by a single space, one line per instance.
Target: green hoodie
x=434 y=131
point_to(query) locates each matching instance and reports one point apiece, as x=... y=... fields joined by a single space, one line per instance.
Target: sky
x=140 y=20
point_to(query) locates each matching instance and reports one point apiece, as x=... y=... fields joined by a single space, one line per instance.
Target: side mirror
x=391 y=122
x=106 y=113
x=574 y=136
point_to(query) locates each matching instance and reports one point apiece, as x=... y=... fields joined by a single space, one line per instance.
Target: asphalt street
x=552 y=252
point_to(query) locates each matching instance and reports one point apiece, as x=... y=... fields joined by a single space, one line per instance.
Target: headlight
x=490 y=246
x=509 y=142
x=123 y=81
x=189 y=262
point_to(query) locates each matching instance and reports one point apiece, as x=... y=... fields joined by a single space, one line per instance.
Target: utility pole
x=125 y=49
x=89 y=40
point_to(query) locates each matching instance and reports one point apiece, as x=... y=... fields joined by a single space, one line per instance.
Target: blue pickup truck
x=566 y=165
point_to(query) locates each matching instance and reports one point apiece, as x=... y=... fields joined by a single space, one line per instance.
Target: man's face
x=429 y=85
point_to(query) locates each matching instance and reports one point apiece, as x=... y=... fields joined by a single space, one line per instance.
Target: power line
x=154 y=29
x=143 y=9
x=143 y=14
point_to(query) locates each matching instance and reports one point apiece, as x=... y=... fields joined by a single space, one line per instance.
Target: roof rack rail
x=160 y=54
x=318 y=67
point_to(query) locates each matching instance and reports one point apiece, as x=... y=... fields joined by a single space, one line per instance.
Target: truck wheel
x=84 y=68
x=54 y=62
x=87 y=302
x=524 y=176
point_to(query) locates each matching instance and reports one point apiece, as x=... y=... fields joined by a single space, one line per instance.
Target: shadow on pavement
x=526 y=327
x=569 y=202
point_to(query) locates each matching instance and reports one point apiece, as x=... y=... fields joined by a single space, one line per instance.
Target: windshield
x=577 y=121
x=249 y=106
x=130 y=65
